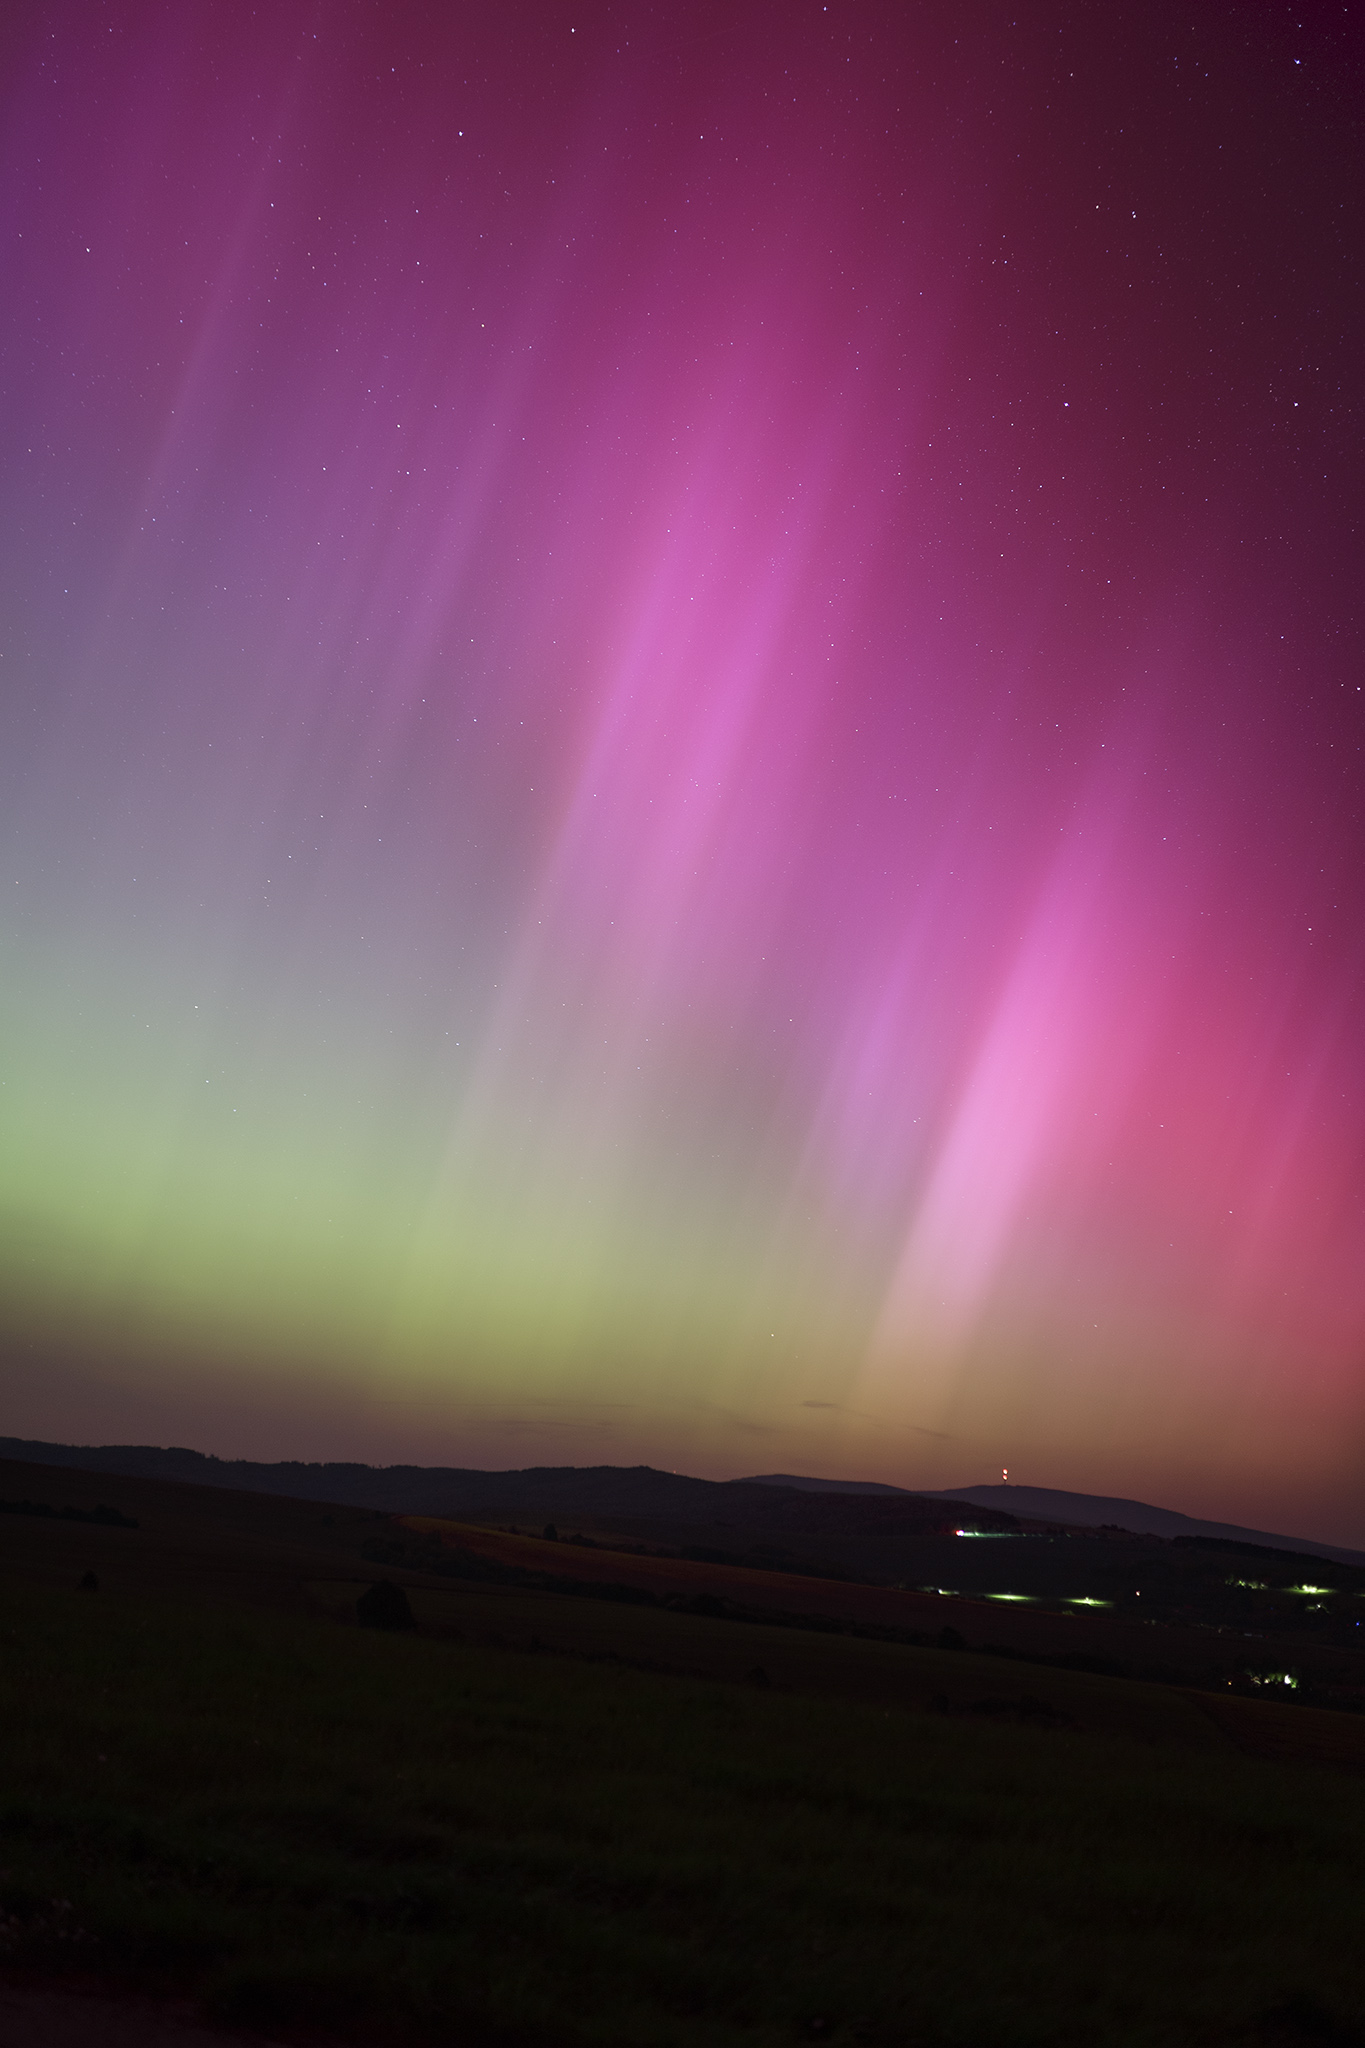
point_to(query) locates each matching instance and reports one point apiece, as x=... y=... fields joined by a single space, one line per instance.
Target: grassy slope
x=1178 y=1650
x=238 y=1795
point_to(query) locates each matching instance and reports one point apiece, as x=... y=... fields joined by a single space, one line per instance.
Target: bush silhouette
x=384 y=1606
x=551 y=1533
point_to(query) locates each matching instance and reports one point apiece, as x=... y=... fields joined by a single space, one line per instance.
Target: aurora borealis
x=680 y=741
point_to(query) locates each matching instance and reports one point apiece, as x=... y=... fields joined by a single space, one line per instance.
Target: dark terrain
x=637 y=1490
x=634 y=1782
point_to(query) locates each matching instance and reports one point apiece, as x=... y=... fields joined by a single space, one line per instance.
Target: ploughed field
x=603 y=1795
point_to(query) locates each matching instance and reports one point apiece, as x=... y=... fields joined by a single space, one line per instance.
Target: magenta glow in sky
x=680 y=741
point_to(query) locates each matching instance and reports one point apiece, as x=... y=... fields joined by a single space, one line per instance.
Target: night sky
x=681 y=739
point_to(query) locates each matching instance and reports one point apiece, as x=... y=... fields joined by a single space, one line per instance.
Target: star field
x=680 y=741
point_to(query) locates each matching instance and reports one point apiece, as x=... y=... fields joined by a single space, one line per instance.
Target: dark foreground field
x=550 y=1819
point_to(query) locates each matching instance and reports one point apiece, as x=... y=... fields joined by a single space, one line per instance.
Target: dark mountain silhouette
x=805 y=1485
x=667 y=1506
x=402 y=1489
x=1085 y=1511
x=770 y=1508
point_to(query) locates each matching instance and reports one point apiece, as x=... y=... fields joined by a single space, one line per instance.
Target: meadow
x=538 y=1819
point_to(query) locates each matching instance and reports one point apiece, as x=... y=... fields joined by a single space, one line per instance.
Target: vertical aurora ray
x=680 y=744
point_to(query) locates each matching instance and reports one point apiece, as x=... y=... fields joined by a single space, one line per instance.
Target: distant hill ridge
x=545 y=1491
x=1083 y=1510
x=395 y=1489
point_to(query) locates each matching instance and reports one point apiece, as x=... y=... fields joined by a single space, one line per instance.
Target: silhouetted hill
x=746 y=1510
x=1087 y=1511
x=1095 y=1511
x=853 y=1521
x=801 y=1484
x=400 y=1489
